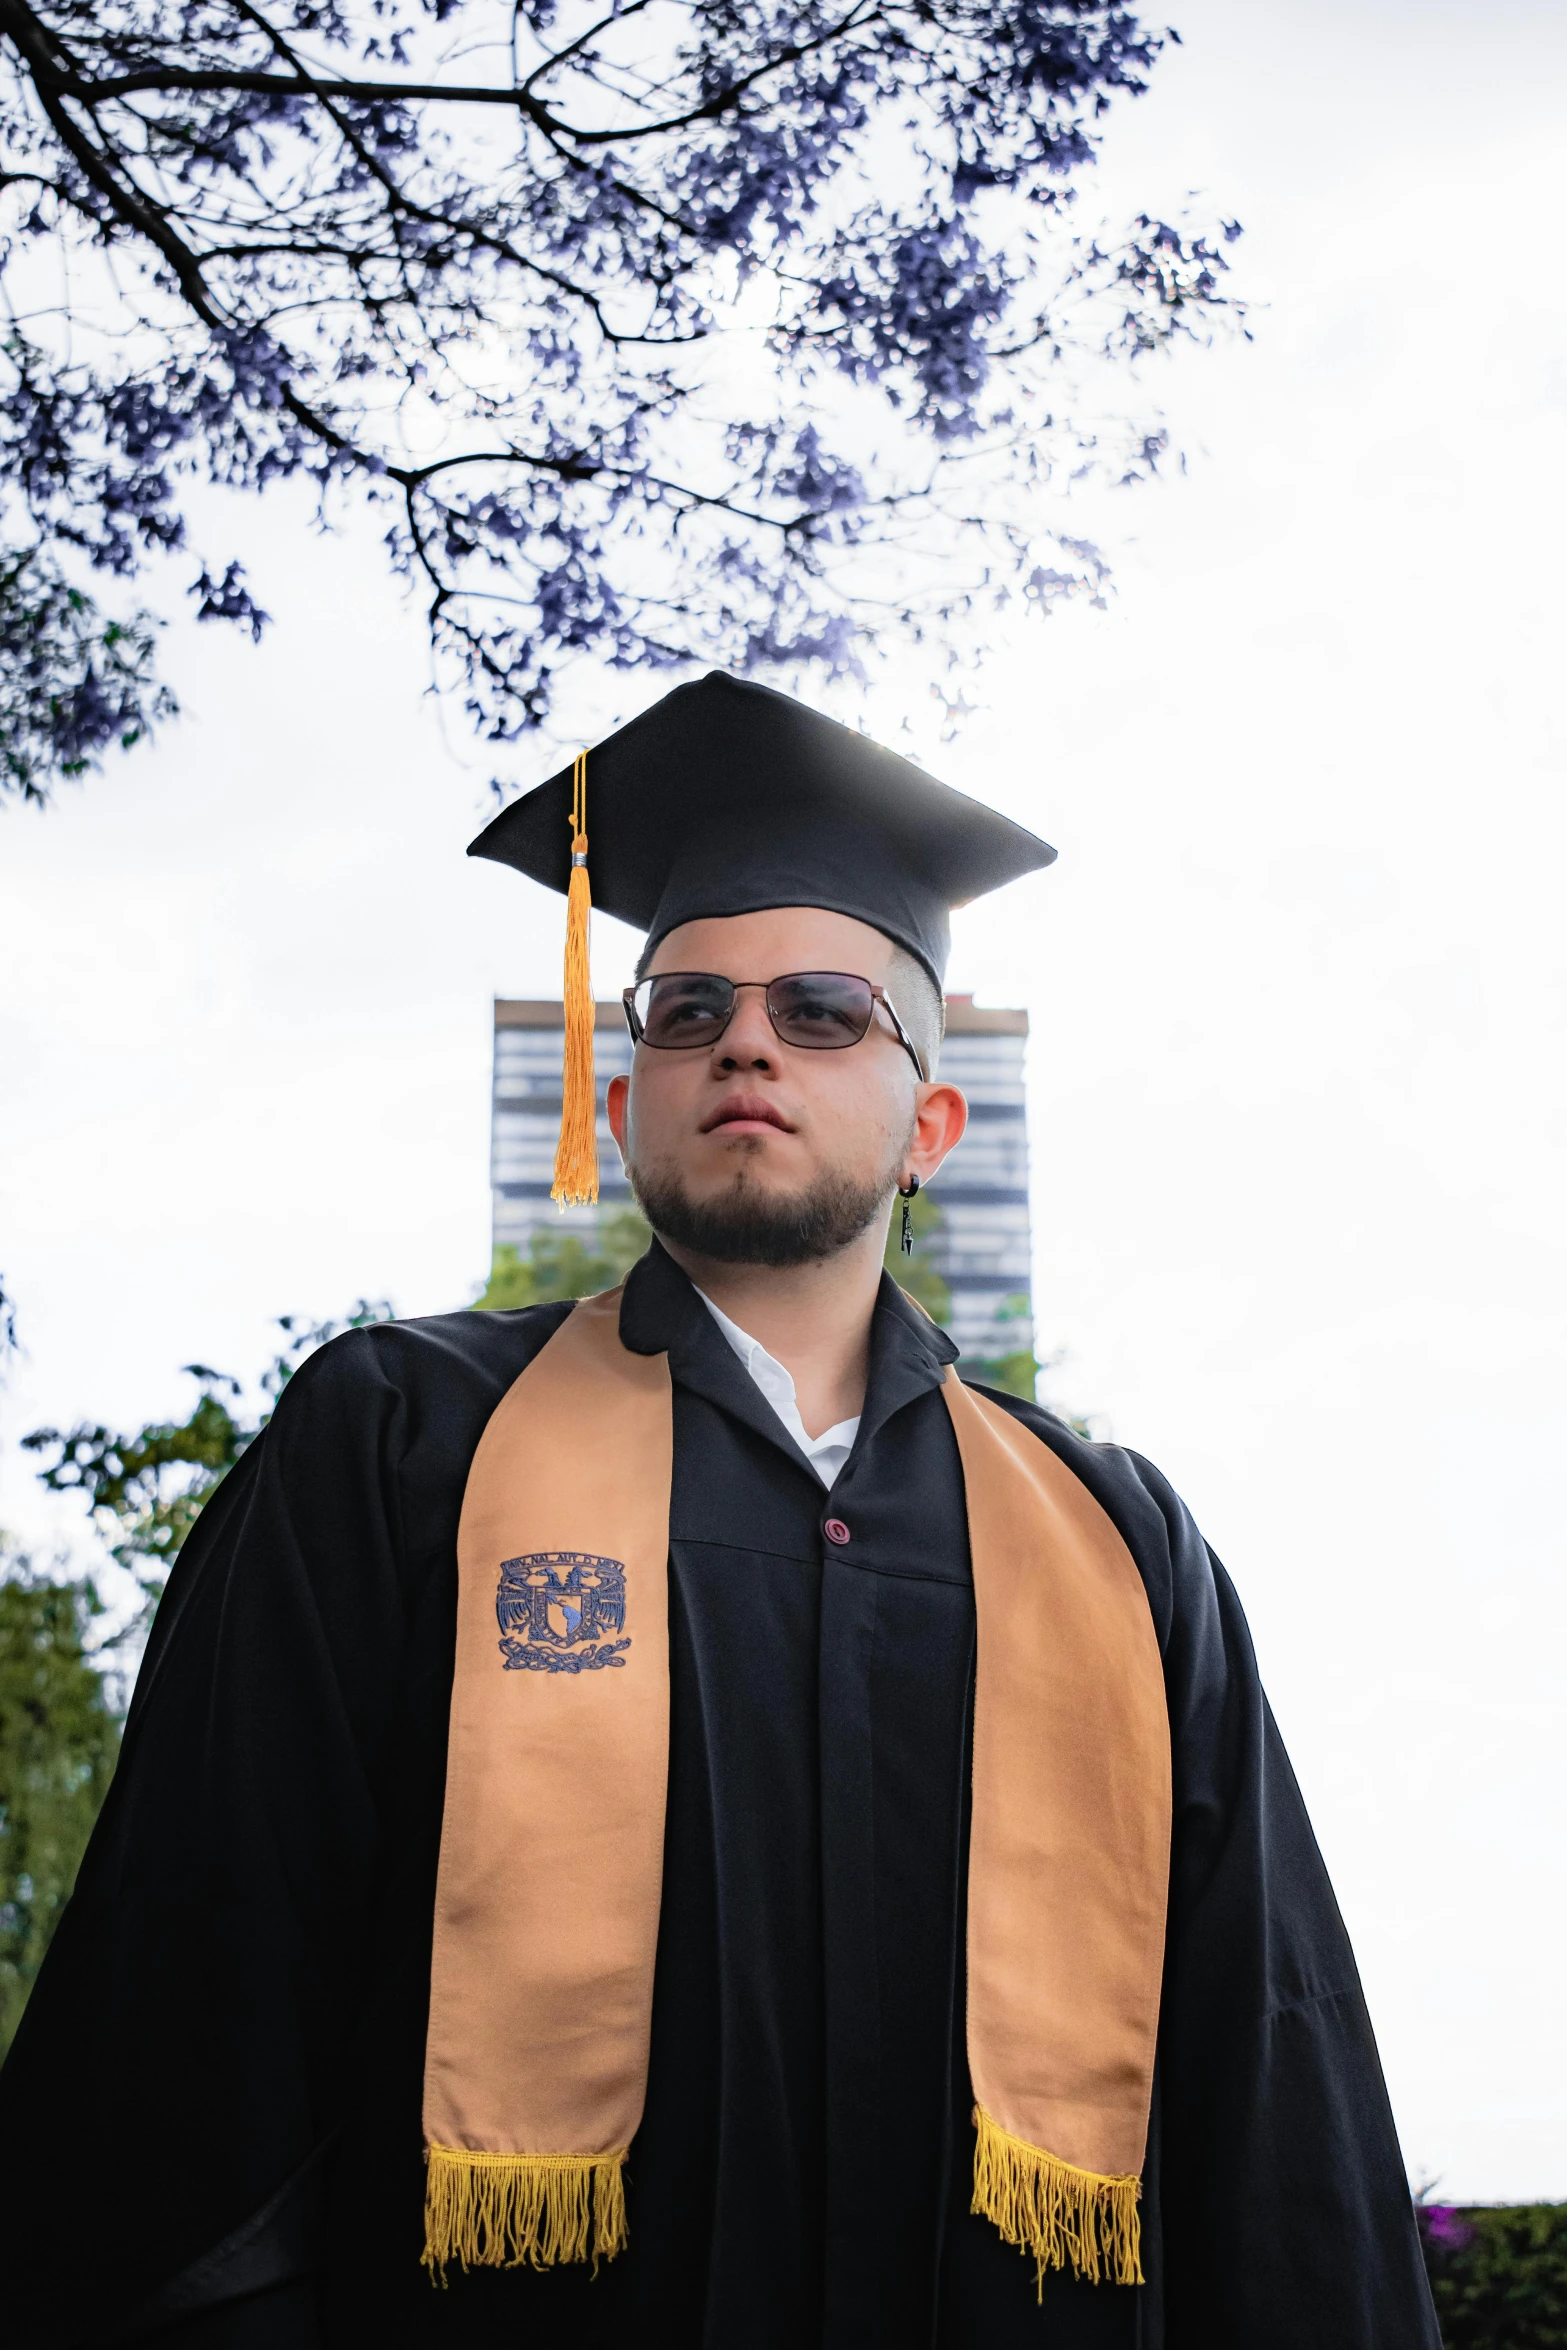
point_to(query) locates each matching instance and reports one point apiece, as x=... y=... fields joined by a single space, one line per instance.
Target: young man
x=675 y=1819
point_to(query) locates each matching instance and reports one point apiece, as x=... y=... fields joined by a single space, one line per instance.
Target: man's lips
x=749 y=1111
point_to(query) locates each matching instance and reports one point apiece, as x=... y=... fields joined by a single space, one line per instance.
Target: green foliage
x=72 y=681
x=1015 y=1374
x=914 y=1274
x=58 y=1734
x=1015 y=1369
x=146 y=1490
x=1498 y=2277
x=58 y=1742
x=560 y=1264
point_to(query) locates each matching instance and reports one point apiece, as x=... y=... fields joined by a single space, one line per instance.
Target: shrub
x=58 y=1744
x=1498 y=2276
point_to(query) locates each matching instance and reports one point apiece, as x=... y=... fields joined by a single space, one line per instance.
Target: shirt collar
x=827 y=1452
x=662 y=1312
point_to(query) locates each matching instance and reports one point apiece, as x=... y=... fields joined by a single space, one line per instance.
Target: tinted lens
x=820 y=1009
x=684 y=1007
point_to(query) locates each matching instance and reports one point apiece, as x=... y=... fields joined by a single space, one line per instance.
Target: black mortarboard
x=726 y=798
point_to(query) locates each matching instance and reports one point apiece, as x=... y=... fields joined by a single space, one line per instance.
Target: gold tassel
x=502 y=2210
x=576 y=1154
x=1055 y=2211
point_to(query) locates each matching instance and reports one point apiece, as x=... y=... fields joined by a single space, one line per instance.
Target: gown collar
x=661 y=1313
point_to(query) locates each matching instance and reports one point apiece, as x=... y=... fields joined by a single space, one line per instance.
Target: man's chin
x=755 y=1216
x=740 y=1191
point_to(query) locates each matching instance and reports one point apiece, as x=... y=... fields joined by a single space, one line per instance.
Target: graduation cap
x=728 y=798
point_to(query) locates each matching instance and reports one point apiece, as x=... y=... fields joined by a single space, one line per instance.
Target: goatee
x=745 y=1226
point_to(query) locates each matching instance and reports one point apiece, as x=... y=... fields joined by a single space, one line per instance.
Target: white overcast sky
x=1296 y=983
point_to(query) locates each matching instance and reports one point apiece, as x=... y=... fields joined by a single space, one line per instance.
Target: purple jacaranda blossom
x=1444 y=2226
x=731 y=331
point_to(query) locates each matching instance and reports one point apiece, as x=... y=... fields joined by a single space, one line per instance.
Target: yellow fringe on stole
x=1055 y=2211
x=501 y=2210
x=576 y=1154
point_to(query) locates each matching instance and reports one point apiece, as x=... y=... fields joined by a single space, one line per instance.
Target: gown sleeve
x=174 y=2085
x=1285 y=2215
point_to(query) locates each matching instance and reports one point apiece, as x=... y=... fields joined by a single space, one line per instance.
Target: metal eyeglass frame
x=879 y=995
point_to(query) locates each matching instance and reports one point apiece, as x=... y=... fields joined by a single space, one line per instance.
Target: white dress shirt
x=827 y=1452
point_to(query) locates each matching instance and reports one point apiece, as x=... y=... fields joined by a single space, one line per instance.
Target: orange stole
x=552 y=1838
x=1069 y=1853
x=547 y=1901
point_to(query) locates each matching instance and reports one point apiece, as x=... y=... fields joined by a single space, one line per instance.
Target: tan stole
x=547 y=1902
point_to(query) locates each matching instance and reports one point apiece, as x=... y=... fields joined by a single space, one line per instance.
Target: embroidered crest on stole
x=553 y=1608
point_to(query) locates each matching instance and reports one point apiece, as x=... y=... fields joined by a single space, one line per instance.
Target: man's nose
x=749 y=1041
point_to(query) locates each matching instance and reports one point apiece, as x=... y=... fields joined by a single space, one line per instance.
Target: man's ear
x=615 y=1110
x=940 y=1116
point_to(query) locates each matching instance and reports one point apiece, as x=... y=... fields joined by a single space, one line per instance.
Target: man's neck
x=814 y=1319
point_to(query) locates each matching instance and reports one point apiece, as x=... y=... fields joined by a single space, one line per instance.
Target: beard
x=743 y=1225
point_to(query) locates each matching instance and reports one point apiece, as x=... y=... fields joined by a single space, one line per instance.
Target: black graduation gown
x=210 y=2120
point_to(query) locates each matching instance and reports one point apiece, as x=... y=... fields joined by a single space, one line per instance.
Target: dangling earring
x=907 y=1242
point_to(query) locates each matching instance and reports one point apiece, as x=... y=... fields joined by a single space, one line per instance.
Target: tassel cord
x=576 y=1182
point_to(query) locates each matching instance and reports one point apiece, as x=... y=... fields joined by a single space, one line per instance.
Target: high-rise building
x=530 y=1052
x=982 y=1247
x=977 y=1241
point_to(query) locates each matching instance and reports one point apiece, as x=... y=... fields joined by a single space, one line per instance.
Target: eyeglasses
x=822 y=1011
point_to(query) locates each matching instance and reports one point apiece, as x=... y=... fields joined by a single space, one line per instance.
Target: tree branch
x=124 y=196
x=257 y=81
